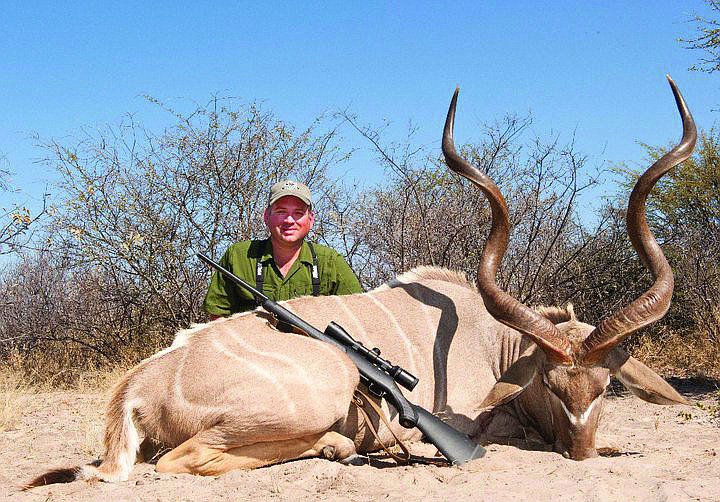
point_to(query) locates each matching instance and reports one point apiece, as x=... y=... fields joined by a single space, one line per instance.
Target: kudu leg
x=195 y=457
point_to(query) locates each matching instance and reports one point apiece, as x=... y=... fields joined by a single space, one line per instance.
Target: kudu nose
x=576 y=452
x=583 y=454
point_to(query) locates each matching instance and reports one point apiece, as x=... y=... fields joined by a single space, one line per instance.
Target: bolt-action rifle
x=378 y=374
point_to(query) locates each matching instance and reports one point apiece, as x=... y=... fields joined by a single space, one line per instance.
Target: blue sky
x=595 y=69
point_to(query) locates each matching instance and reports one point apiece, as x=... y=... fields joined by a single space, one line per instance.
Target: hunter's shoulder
x=326 y=252
x=249 y=248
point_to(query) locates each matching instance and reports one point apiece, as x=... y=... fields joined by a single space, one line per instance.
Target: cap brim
x=273 y=200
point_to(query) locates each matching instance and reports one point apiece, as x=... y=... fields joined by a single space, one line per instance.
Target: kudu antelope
x=236 y=393
x=555 y=385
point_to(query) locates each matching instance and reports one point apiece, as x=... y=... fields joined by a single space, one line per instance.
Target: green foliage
x=689 y=195
x=707 y=40
x=684 y=212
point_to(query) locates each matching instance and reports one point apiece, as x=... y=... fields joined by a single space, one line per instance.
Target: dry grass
x=89 y=427
x=16 y=394
x=23 y=377
x=56 y=365
x=25 y=380
x=682 y=355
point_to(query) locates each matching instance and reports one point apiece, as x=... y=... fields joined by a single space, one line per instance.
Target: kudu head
x=573 y=360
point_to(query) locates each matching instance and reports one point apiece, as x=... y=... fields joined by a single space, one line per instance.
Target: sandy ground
x=652 y=453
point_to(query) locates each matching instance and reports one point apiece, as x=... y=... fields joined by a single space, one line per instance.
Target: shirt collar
x=305 y=254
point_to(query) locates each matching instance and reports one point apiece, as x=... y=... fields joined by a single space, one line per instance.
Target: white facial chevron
x=584 y=416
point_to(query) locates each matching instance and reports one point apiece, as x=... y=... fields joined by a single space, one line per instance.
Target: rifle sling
x=360 y=399
x=407 y=458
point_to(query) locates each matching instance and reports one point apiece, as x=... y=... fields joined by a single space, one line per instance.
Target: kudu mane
x=556 y=315
x=427 y=273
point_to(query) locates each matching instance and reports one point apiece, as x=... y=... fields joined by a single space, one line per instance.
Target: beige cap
x=289 y=187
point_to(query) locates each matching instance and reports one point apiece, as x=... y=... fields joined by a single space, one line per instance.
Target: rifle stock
x=457 y=447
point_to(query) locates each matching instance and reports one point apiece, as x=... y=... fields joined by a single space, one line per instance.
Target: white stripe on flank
x=318 y=398
x=399 y=333
x=584 y=416
x=425 y=308
x=179 y=394
x=262 y=370
x=183 y=336
x=279 y=356
x=358 y=331
x=178 y=388
x=437 y=355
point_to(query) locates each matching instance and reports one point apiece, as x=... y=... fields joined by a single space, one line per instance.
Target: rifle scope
x=401 y=376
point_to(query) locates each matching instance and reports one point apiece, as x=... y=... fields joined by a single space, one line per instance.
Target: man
x=285 y=265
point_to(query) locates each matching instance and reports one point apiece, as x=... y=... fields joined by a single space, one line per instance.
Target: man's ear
x=266 y=216
x=518 y=376
x=311 y=217
x=641 y=380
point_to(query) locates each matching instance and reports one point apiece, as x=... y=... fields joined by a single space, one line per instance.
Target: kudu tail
x=121 y=445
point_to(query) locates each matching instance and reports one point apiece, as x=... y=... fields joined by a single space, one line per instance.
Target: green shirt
x=225 y=298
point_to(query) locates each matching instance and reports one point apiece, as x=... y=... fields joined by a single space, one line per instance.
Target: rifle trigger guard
x=375 y=390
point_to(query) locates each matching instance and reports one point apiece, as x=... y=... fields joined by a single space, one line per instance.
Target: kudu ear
x=641 y=380
x=515 y=379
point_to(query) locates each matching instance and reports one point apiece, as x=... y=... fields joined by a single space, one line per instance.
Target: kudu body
x=237 y=393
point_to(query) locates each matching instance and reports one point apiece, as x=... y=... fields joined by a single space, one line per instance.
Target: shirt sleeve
x=346 y=283
x=222 y=297
x=217 y=301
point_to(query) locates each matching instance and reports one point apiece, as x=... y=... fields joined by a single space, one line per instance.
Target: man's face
x=289 y=220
